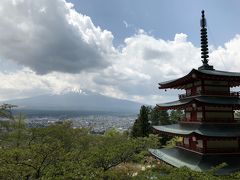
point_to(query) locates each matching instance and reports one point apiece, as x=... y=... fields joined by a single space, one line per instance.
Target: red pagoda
x=210 y=132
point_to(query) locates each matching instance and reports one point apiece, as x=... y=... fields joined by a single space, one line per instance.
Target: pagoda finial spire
x=204 y=44
x=204 y=40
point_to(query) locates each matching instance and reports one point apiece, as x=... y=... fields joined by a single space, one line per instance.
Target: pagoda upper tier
x=231 y=78
x=207 y=101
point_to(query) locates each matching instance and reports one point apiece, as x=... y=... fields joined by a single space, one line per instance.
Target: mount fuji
x=76 y=101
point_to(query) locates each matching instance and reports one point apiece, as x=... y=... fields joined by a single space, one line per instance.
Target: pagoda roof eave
x=175 y=82
x=233 y=77
x=179 y=157
x=204 y=130
x=175 y=104
x=209 y=100
x=220 y=73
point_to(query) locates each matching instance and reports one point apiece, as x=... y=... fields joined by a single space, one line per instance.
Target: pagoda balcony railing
x=209 y=120
x=207 y=150
x=189 y=147
x=212 y=93
x=222 y=150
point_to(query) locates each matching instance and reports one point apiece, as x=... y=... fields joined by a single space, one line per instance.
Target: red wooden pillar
x=203 y=88
x=204 y=144
x=193 y=115
x=193 y=90
x=239 y=143
x=203 y=113
x=233 y=115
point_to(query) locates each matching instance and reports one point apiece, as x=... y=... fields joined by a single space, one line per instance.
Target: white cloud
x=51 y=37
x=144 y=61
x=227 y=57
x=180 y=38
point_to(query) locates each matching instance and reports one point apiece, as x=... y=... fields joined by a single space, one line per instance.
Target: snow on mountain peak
x=73 y=90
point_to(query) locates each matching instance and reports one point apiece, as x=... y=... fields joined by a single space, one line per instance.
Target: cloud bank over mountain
x=56 y=48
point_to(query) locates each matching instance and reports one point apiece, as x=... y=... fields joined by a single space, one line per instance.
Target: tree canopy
x=159 y=117
x=62 y=152
x=142 y=126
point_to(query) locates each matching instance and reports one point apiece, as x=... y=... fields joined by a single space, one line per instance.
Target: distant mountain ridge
x=75 y=101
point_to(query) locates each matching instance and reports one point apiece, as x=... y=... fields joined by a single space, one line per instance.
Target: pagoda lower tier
x=205 y=129
x=180 y=157
x=200 y=144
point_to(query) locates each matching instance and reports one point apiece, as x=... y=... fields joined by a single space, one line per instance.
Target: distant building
x=210 y=132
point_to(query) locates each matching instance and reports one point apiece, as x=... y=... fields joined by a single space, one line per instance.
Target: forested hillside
x=62 y=152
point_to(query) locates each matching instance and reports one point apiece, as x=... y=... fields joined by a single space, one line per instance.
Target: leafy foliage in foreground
x=61 y=152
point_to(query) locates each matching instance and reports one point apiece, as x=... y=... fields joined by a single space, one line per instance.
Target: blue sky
x=164 y=18
x=121 y=49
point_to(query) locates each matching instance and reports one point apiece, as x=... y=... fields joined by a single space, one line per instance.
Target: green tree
x=176 y=115
x=141 y=126
x=62 y=152
x=6 y=113
x=159 y=117
x=111 y=132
